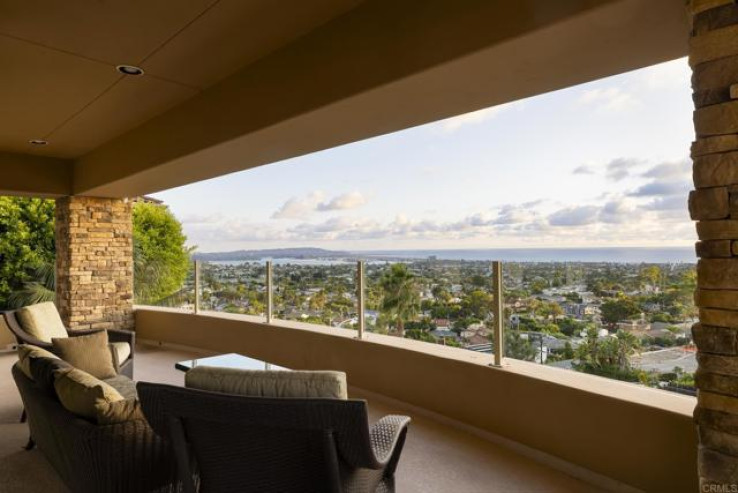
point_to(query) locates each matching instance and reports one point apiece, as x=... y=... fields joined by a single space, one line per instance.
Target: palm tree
x=400 y=299
x=41 y=288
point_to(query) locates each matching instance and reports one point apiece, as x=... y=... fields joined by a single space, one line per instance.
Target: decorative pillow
x=28 y=351
x=42 y=321
x=89 y=353
x=110 y=413
x=44 y=371
x=82 y=394
x=258 y=383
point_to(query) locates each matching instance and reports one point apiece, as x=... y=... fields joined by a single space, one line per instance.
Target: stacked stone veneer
x=713 y=56
x=94 y=263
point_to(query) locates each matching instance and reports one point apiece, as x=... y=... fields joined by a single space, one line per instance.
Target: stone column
x=713 y=55
x=94 y=263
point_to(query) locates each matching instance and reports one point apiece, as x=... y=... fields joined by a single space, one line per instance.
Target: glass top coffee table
x=230 y=360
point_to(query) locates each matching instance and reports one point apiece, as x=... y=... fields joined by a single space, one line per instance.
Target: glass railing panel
x=316 y=291
x=182 y=298
x=433 y=300
x=628 y=322
x=233 y=287
x=392 y=297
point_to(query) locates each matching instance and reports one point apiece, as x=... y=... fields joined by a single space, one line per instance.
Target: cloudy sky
x=600 y=164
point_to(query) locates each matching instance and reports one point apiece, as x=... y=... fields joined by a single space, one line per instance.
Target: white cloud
x=201 y=218
x=303 y=207
x=608 y=99
x=516 y=214
x=475 y=117
x=672 y=170
x=574 y=216
x=299 y=208
x=616 y=212
x=666 y=75
x=232 y=230
x=583 y=170
x=657 y=206
x=339 y=228
x=352 y=200
x=615 y=219
x=619 y=168
x=657 y=188
x=668 y=203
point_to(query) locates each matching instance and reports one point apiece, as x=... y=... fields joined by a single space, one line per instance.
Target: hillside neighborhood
x=621 y=320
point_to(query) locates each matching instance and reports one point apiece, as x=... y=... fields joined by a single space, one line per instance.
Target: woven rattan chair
x=127 y=457
x=233 y=443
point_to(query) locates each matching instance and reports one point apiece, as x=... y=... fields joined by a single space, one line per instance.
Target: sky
x=600 y=164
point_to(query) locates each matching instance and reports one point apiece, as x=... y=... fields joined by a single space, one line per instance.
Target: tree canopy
x=608 y=356
x=161 y=260
x=618 y=309
x=26 y=242
x=27 y=252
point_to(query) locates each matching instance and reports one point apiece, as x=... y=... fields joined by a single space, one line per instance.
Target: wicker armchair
x=126 y=457
x=233 y=443
x=122 y=367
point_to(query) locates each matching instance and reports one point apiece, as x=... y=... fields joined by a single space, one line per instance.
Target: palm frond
x=32 y=293
x=41 y=287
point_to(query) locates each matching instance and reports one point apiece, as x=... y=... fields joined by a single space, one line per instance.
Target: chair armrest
x=81 y=332
x=387 y=438
x=118 y=335
x=28 y=339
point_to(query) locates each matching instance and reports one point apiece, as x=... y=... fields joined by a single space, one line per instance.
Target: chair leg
x=31 y=444
x=23 y=416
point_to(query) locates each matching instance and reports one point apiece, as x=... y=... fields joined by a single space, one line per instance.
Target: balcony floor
x=437 y=457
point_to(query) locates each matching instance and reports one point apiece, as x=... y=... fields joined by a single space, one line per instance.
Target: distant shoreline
x=660 y=255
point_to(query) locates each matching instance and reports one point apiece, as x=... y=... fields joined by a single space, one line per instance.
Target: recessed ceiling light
x=38 y=142
x=129 y=70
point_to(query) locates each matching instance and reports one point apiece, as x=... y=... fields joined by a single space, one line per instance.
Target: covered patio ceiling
x=229 y=85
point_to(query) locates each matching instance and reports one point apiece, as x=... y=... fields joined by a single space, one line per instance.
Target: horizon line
x=451 y=249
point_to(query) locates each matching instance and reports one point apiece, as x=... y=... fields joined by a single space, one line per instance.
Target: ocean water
x=614 y=254
x=666 y=255
x=291 y=261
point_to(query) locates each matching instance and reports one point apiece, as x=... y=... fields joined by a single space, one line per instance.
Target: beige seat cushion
x=42 y=321
x=82 y=394
x=124 y=385
x=258 y=383
x=26 y=352
x=122 y=349
x=89 y=353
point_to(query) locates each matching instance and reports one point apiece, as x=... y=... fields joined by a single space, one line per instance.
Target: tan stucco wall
x=36 y=176
x=632 y=434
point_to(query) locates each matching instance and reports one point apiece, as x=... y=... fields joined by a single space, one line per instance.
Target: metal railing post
x=498 y=311
x=360 y=296
x=269 y=300
x=197 y=287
